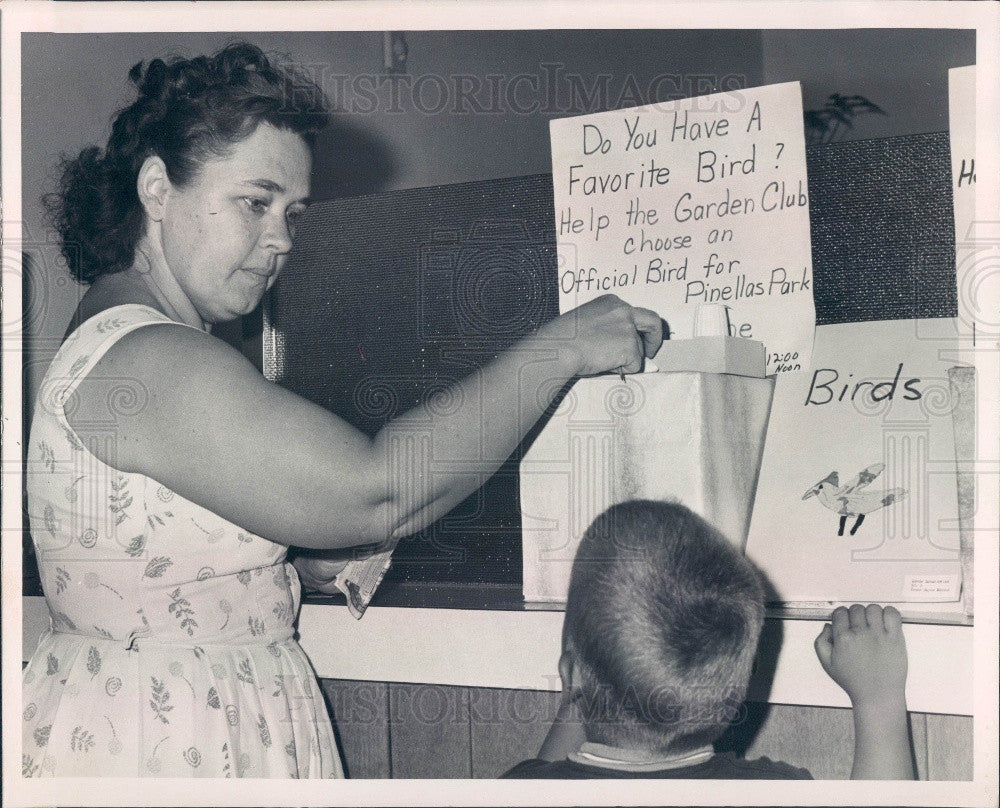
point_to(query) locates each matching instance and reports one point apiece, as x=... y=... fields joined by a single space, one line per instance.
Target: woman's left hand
x=318 y=574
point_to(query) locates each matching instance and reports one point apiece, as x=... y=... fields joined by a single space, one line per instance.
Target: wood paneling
x=949 y=747
x=420 y=731
x=360 y=712
x=820 y=739
x=508 y=726
x=429 y=731
x=918 y=736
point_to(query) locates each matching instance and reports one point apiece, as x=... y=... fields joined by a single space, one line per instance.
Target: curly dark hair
x=188 y=110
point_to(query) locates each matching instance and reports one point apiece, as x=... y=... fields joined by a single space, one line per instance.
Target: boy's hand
x=863 y=651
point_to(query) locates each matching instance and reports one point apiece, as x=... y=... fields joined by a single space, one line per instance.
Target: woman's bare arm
x=211 y=428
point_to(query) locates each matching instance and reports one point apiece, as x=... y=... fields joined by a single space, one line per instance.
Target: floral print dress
x=170 y=651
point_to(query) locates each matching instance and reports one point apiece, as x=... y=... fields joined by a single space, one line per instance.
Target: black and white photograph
x=454 y=401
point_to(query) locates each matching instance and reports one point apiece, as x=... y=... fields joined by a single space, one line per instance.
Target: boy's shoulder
x=722 y=766
x=762 y=768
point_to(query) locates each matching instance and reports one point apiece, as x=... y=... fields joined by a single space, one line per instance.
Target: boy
x=661 y=629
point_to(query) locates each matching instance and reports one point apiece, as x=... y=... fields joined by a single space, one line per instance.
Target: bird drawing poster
x=857 y=494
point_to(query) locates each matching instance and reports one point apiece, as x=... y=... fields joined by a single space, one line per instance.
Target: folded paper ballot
x=712 y=349
x=732 y=355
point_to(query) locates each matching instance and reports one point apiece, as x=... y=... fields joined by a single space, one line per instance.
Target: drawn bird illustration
x=850 y=499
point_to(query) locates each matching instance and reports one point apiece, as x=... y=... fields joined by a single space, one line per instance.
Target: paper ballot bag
x=688 y=437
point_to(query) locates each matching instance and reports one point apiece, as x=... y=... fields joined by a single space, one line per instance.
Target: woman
x=160 y=459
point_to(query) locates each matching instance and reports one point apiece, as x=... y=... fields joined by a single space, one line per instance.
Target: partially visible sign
x=976 y=253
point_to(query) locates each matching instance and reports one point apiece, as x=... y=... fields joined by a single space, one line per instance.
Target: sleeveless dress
x=171 y=649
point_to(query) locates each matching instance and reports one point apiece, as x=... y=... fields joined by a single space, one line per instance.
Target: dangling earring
x=148 y=268
x=146 y=276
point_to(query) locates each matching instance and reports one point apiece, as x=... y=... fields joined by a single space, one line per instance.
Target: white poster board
x=857 y=494
x=975 y=252
x=701 y=200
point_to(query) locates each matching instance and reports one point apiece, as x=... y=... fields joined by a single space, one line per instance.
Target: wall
x=72 y=85
x=407 y=730
x=427 y=127
x=905 y=72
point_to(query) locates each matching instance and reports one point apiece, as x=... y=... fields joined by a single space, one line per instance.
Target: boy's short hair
x=663 y=617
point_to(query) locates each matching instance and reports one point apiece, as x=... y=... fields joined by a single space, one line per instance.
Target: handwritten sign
x=975 y=319
x=856 y=498
x=702 y=200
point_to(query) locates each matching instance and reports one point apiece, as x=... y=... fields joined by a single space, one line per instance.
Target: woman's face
x=227 y=233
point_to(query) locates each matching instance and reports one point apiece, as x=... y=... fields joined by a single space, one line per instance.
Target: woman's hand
x=318 y=574
x=606 y=334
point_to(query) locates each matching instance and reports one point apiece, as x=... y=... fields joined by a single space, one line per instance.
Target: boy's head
x=662 y=622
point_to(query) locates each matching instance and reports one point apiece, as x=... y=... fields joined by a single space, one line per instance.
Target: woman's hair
x=662 y=618
x=188 y=110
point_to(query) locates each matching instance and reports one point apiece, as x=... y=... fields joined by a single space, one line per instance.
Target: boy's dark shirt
x=722 y=766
